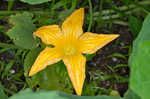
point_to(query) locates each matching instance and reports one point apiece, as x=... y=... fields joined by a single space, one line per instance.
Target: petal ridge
x=73 y=24
x=91 y=42
x=48 y=34
x=47 y=57
x=76 y=69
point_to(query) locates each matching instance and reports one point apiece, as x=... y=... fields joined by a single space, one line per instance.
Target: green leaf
x=28 y=94
x=30 y=58
x=35 y=1
x=8 y=67
x=5 y=45
x=135 y=25
x=2 y=94
x=59 y=4
x=139 y=62
x=22 y=31
x=117 y=55
x=89 y=56
x=140 y=79
x=131 y=95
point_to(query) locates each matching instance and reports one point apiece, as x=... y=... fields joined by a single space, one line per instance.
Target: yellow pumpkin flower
x=70 y=43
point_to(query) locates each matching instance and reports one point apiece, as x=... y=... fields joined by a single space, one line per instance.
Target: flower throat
x=69 y=50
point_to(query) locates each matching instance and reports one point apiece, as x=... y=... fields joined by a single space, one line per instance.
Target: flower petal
x=91 y=42
x=73 y=24
x=76 y=69
x=47 y=57
x=48 y=34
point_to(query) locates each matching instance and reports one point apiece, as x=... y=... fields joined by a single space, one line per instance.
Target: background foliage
x=18 y=49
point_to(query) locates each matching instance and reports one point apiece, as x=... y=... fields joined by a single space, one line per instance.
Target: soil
x=100 y=61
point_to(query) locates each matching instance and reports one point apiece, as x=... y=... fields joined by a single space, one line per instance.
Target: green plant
x=139 y=62
x=103 y=16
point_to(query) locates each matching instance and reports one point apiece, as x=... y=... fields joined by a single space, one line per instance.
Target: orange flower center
x=69 y=50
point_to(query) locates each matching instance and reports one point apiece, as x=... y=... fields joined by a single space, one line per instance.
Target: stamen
x=69 y=50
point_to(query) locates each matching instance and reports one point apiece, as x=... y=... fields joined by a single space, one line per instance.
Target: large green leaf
x=28 y=94
x=35 y=1
x=2 y=94
x=22 y=30
x=131 y=95
x=140 y=62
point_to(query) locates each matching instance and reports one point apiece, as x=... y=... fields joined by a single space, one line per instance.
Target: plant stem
x=74 y=3
x=4 y=45
x=117 y=15
x=91 y=16
x=9 y=91
x=123 y=8
x=120 y=22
